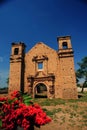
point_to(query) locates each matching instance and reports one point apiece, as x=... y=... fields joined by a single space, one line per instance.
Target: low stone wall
x=79 y=89
x=4 y=95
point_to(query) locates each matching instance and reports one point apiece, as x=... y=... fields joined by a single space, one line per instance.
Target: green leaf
x=10 y=101
x=27 y=102
x=0 y=123
x=27 y=99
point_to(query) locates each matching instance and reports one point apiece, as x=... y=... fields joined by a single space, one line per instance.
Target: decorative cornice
x=38 y=58
x=48 y=78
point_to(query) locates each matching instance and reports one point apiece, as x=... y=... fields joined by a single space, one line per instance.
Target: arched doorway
x=40 y=91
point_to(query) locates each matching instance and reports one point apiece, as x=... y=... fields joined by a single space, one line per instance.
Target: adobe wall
x=57 y=74
x=50 y=64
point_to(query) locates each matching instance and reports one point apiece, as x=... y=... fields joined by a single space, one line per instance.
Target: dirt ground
x=70 y=116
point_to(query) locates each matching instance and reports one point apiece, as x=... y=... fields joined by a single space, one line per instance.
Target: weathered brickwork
x=46 y=67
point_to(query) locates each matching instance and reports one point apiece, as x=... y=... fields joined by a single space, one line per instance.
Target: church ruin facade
x=43 y=71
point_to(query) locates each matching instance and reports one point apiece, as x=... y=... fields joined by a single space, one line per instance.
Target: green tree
x=81 y=73
x=7 y=81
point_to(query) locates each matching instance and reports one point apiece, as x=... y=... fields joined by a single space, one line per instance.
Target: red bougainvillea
x=14 y=113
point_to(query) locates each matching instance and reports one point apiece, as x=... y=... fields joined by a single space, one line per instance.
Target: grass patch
x=51 y=113
x=74 y=106
x=72 y=115
x=84 y=116
x=81 y=112
x=50 y=102
x=54 y=102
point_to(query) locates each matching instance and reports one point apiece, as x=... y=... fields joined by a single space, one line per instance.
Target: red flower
x=25 y=124
x=19 y=122
x=3 y=99
x=17 y=113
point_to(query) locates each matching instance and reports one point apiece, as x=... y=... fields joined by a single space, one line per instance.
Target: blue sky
x=32 y=21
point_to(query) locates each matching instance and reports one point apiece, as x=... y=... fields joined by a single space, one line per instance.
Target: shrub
x=14 y=112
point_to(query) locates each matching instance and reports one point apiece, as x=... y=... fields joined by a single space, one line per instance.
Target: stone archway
x=40 y=91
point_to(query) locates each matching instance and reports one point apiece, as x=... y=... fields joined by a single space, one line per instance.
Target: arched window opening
x=16 y=51
x=64 y=45
x=40 y=91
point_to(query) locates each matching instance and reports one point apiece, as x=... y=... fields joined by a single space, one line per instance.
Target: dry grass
x=65 y=114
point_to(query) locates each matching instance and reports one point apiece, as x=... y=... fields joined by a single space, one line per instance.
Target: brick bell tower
x=67 y=72
x=16 y=75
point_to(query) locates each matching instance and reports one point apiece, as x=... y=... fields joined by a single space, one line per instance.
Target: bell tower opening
x=40 y=91
x=16 y=51
x=64 y=45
